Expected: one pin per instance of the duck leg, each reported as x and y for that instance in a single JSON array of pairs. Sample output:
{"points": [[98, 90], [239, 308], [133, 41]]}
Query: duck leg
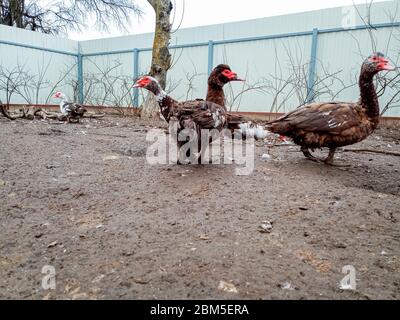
{"points": [[201, 151], [308, 154], [329, 159]]}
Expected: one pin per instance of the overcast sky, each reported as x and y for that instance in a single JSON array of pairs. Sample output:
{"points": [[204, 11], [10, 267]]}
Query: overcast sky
{"points": [[205, 12]]}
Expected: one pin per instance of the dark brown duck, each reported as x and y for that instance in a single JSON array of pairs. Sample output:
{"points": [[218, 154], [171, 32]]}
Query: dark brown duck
{"points": [[336, 124]]}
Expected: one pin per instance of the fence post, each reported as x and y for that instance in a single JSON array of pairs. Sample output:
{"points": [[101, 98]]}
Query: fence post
{"points": [[210, 56], [311, 70], [135, 76], [80, 76]]}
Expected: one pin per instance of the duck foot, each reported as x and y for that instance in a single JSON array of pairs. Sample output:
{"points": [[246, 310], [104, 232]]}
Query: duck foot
{"points": [[309, 156], [314, 159], [337, 164], [329, 160]]}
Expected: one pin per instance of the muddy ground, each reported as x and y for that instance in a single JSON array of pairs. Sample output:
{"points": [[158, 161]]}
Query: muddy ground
{"points": [[82, 198]]}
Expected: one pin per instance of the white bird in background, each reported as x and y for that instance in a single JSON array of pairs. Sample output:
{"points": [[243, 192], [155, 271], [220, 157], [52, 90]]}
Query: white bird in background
{"points": [[250, 129], [69, 109]]}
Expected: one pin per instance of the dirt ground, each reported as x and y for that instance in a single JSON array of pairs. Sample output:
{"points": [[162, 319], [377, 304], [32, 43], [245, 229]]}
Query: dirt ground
{"points": [[83, 199]]}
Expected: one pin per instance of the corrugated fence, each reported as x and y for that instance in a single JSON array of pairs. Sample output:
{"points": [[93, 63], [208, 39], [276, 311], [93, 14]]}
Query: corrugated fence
{"points": [[303, 57]]}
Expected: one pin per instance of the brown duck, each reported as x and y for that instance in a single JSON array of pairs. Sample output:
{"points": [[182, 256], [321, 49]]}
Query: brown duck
{"points": [[336, 124], [220, 76], [193, 114], [190, 114]]}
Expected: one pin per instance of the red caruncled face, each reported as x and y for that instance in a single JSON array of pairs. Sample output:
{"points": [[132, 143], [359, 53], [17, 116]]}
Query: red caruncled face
{"points": [[232, 76], [381, 62], [142, 82]]}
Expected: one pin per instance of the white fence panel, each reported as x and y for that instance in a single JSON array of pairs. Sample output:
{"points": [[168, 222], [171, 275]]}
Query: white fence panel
{"points": [[276, 68]]}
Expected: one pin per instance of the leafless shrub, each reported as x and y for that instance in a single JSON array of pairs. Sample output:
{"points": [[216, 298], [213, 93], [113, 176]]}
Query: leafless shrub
{"points": [[105, 86], [60, 16]]}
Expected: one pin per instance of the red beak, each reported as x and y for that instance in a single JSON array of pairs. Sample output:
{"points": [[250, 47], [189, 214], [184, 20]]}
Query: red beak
{"points": [[385, 65], [233, 77]]}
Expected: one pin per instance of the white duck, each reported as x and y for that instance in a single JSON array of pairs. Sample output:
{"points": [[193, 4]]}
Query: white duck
{"points": [[70, 109]]}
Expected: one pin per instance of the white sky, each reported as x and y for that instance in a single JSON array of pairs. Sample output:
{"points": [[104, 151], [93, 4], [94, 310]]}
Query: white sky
{"points": [[205, 12]]}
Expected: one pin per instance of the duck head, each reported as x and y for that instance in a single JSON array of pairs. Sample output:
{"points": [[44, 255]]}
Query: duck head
{"points": [[60, 95], [149, 83], [221, 75], [375, 63]]}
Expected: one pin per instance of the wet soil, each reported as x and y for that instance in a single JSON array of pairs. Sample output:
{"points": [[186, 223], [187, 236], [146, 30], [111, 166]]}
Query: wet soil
{"points": [[83, 199]]}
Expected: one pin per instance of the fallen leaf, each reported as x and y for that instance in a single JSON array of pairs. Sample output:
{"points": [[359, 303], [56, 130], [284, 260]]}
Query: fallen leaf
{"points": [[265, 156], [47, 296], [287, 286], [110, 157], [78, 194], [53, 244], [265, 227], [76, 290], [98, 278], [310, 258], [227, 287], [141, 281], [204, 237], [80, 295]]}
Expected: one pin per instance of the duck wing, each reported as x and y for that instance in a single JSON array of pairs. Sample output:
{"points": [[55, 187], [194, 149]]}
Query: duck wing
{"points": [[76, 109], [205, 114], [332, 118]]}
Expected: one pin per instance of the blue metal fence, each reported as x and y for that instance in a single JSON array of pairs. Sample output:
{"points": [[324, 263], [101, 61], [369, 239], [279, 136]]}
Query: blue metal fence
{"points": [[311, 71], [210, 44]]}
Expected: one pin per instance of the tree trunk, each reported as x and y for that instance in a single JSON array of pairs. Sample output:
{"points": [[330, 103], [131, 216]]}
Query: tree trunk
{"points": [[161, 58], [17, 13]]}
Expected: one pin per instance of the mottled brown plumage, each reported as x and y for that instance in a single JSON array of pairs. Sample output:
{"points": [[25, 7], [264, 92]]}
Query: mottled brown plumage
{"points": [[204, 114], [335, 124], [193, 115], [215, 93], [219, 76], [234, 121], [75, 111]]}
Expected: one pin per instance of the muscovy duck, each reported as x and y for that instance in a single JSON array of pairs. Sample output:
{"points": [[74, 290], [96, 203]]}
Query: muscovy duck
{"points": [[336, 124], [221, 75], [194, 114], [70, 110], [204, 114]]}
